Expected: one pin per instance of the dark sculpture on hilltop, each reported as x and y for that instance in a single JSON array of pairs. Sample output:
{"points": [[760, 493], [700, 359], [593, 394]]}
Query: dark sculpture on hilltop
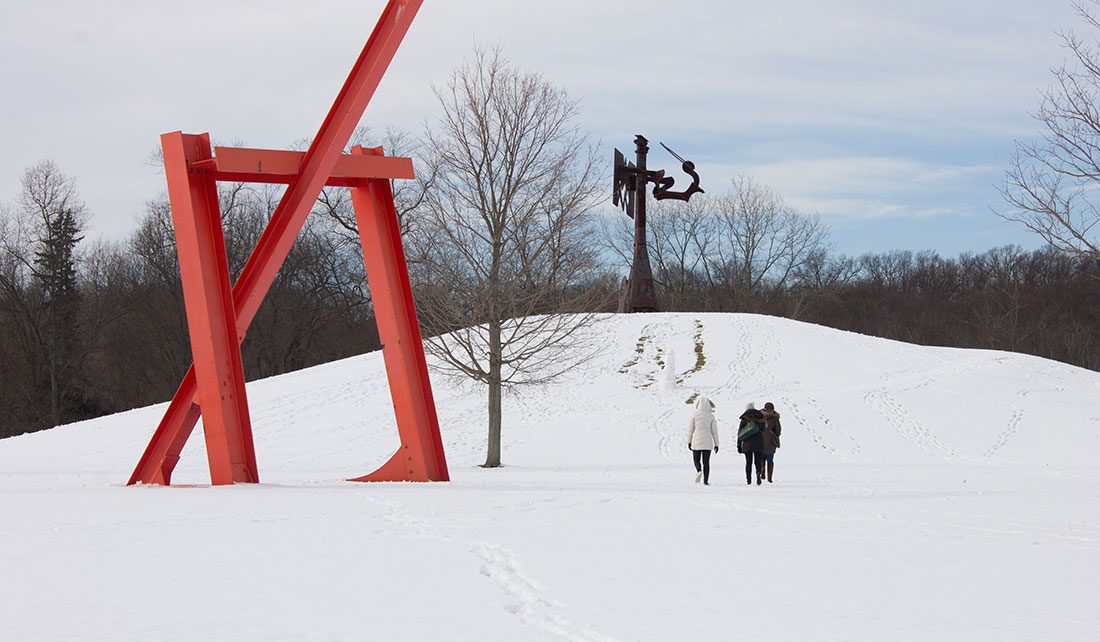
{"points": [[630, 183]]}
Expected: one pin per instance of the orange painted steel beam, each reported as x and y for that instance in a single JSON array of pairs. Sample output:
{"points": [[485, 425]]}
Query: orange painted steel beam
{"points": [[279, 166], [208, 299], [287, 220], [160, 457], [420, 456], [163, 452]]}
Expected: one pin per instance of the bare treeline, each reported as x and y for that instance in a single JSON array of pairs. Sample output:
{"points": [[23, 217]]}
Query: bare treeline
{"points": [[1043, 302], [747, 251], [89, 330], [104, 330], [731, 249]]}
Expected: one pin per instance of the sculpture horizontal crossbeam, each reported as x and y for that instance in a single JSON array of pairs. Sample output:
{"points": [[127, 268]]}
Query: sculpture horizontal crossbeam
{"points": [[280, 166]]}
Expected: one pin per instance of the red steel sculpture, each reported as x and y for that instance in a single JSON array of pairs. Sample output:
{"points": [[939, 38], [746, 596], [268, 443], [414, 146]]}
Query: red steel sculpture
{"points": [[218, 315]]}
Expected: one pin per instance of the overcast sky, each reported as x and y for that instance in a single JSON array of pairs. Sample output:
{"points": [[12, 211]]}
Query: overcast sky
{"points": [[893, 120]]}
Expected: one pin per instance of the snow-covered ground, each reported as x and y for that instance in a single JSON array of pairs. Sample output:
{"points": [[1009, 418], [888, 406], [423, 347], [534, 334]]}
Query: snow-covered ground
{"points": [[921, 494]]}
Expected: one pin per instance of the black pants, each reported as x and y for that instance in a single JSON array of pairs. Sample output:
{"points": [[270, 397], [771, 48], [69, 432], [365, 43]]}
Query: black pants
{"points": [[702, 463], [749, 459]]}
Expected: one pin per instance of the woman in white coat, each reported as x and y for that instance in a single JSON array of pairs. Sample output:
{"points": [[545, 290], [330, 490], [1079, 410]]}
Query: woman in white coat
{"points": [[702, 437]]}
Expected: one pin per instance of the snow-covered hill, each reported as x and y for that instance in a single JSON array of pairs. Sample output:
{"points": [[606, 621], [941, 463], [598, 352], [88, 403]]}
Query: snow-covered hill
{"points": [[921, 494]]}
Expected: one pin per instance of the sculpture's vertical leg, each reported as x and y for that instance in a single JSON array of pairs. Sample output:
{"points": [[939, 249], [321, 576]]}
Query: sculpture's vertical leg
{"points": [[643, 294], [420, 456], [208, 298]]}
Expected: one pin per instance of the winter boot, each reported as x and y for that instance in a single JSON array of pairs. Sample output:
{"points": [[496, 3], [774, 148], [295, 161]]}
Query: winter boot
{"points": [[771, 469], [698, 477]]}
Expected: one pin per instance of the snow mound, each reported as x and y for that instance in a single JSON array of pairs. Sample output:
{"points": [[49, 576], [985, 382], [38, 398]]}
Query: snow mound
{"points": [[922, 493]]}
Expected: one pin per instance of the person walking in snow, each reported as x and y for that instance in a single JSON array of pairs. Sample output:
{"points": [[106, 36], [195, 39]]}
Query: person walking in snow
{"points": [[771, 432], [750, 442], [702, 437]]}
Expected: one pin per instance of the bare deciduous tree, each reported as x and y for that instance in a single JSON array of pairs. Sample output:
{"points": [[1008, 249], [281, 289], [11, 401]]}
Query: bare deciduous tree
{"points": [[499, 252], [762, 240], [39, 288], [681, 238], [334, 203], [1051, 183], [724, 253]]}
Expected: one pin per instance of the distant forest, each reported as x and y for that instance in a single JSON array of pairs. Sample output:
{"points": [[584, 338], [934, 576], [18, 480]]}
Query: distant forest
{"points": [[91, 330]]}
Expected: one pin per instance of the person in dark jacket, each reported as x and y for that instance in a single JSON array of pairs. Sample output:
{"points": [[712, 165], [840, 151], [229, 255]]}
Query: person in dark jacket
{"points": [[752, 446], [771, 432]]}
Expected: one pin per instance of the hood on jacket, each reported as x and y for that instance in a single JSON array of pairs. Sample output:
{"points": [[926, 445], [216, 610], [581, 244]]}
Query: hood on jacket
{"points": [[752, 415], [704, 405]]}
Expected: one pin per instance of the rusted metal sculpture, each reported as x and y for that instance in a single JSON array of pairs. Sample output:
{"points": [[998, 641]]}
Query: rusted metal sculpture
{"points": [[630, 181], [218, 315]]}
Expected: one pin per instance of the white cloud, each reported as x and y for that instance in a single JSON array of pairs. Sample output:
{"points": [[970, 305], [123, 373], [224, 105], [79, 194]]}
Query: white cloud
{"points": [[858, 188], [92, 85], [865, 175]]}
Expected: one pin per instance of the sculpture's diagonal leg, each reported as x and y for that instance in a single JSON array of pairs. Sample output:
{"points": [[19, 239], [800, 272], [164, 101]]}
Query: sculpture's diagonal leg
{"points": [[163, 452]]}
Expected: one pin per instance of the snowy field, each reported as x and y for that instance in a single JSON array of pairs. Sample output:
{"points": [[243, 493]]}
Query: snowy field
{"points": [[921, 494]]}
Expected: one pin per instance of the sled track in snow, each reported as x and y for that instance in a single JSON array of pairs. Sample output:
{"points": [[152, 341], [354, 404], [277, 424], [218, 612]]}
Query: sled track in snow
{"points": [[639, 350], [736, 370], [642, 352], [742, 373], [666, 434], [698, 352]]}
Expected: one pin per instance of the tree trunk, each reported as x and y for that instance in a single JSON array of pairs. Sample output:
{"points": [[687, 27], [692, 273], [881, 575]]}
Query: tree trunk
{"points": [[55, 400], [51, 366], [492, 458]]}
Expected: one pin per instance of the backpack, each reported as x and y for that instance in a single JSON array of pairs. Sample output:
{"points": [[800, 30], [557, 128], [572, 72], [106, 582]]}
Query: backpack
{"points": [[750, 429]]}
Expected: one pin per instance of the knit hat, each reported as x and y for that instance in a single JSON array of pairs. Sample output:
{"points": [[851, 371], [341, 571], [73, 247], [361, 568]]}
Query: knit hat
{"points": [[750, 406], [769, 406]]}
